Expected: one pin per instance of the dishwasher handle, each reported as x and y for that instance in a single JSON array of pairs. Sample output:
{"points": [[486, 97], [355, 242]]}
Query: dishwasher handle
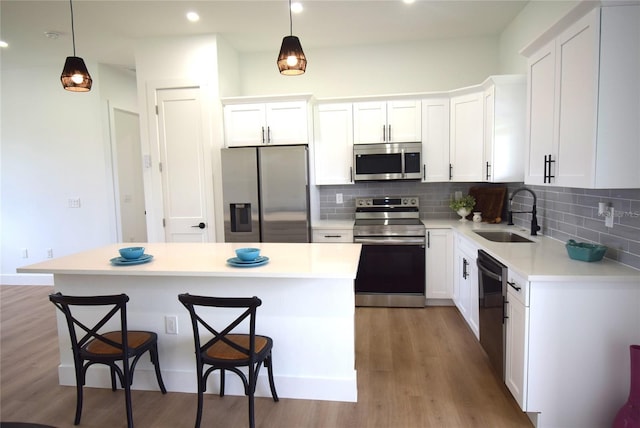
{"points": [[487, 272]]}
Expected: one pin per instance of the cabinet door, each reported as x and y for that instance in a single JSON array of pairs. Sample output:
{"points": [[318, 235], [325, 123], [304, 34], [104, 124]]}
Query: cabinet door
{"points": [[439, 264], [333, 144], [466, 138], [244, 124], [540, 113], [577, 83], [435, 139], [370, 122], [504, 130], [287, 123], [404, 121], [517, 350]]}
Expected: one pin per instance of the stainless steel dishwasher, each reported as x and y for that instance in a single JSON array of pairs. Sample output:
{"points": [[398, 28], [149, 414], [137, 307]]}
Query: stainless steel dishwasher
{"points": [[492, 292]]}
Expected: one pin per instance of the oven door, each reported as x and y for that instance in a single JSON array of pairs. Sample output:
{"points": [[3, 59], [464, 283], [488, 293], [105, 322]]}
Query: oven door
{"points": [[391, 272]]}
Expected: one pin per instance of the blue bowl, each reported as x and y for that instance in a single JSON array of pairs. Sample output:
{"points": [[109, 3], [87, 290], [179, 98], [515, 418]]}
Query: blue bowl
{"points": [[584, 251], [248, 254], [131, 253]]}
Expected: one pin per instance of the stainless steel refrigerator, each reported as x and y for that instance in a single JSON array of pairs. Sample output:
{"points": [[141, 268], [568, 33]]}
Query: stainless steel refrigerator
{"points": [[266, 194]]}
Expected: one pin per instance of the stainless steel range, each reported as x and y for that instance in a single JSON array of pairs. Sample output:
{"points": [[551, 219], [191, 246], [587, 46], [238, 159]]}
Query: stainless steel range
{"points": [[392, 263]]}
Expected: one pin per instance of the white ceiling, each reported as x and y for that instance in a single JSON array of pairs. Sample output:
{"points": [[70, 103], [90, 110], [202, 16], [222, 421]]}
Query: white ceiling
{"points": [[105, 30]]}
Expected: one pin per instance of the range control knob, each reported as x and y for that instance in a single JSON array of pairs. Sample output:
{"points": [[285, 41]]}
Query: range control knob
{"points": [[369, 202], [413, 201], [405, 201]]}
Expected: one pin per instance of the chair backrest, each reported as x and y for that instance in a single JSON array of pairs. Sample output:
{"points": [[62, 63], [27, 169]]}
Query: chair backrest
{"points": [[249, 304], [114, 305]]}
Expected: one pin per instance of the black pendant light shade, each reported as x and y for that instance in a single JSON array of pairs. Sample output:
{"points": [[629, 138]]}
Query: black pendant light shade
{"points": [[75, 76], [291, 60]]}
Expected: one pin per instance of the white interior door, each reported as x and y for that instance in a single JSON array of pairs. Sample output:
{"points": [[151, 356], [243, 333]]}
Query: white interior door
{"points": [[183, 165]]}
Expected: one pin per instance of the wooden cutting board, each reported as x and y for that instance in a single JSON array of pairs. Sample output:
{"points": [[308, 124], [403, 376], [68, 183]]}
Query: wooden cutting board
{"points": [[489, 201]]}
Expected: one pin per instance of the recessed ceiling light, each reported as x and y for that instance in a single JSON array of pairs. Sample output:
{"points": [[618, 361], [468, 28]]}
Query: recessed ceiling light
{"points": [[3, 44], [51, 34], [408, 1], [296, 7], [193, 16]]}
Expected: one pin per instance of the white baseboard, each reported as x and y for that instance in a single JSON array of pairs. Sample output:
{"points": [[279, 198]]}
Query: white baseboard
{"points": [[326, 389]]}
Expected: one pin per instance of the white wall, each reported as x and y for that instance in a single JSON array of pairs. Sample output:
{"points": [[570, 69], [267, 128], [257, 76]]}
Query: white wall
{"points": [[173, 63], [533, 20], [52, 150], [373, 70]]}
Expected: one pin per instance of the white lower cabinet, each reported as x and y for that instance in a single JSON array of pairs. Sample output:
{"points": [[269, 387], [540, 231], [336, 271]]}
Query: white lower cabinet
{"points": [[567, 348], [517, 339], [465, 283], [439, 264], [332, 235]]}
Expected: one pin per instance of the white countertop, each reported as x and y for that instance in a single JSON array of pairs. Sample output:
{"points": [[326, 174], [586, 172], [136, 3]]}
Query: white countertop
{"points": [[210, 259], [545, 259]]}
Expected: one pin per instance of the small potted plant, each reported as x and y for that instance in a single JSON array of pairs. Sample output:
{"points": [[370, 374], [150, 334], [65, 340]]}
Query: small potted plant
{"points": [[463, 206]]}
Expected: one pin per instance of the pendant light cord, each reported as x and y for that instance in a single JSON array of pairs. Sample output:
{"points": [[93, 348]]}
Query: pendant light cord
{"points": [[73, 33], [290, 20]]}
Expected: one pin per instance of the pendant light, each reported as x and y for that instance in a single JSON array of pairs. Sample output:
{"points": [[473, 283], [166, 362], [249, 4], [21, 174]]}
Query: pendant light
{"points": [[291, 61], [75, 76]]}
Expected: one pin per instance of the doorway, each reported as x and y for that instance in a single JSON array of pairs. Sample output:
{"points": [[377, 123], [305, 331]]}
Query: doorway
{"points": [[131, 222]]}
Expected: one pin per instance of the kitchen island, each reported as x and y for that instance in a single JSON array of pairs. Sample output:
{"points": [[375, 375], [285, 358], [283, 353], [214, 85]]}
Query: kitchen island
{"points": [[307, 308]]}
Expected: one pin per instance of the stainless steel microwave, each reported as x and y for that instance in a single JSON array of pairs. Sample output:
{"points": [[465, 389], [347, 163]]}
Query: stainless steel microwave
{"points": [[387, 161]]}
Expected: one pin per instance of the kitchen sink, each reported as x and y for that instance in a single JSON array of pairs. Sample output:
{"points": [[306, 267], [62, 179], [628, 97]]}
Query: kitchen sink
{"points": [[502, 236]]}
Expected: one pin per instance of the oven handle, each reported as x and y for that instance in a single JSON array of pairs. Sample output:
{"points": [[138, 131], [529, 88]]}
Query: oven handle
{"points": [[390, 241], [487, 272]]}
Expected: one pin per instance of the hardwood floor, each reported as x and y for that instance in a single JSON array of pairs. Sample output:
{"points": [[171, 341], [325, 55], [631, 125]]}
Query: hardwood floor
{"points": [[416, 368]]}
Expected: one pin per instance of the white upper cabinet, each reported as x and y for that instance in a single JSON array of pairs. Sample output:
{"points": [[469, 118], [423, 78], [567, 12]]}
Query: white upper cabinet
{"points": [[466, 147], [397, 121], [333, 143], [435, 139], [255, 124], [583, 107], [504, 128]]}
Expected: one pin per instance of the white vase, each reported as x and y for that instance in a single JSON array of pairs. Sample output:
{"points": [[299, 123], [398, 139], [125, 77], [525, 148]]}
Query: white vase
{"points": [[477, 217], [463, 213]]}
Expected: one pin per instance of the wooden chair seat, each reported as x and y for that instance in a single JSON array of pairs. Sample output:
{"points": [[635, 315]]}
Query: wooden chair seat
{"points": [[222, 351], [135, 340]]}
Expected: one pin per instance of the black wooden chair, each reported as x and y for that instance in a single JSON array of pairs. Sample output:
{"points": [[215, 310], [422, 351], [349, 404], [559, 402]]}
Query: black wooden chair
{"points": [[91, 346], [228, 351]]}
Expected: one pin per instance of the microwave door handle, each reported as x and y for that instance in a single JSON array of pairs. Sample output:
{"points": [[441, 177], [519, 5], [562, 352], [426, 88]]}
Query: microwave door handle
{"points": [[402, 166]]}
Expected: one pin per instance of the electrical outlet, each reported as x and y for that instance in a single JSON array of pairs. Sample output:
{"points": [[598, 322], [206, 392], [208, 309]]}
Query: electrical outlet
{"points": [[74, 202], [608, 220], [339, 199], [49, 253], [24, 253], [171, 324]]}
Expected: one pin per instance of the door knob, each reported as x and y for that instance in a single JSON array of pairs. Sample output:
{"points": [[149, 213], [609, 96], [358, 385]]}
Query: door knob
{"points": [[200, 225]]}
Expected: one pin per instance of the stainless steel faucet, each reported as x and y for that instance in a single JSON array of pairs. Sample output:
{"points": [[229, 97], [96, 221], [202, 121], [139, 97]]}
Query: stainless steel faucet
{"points": [[534, 219]]}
